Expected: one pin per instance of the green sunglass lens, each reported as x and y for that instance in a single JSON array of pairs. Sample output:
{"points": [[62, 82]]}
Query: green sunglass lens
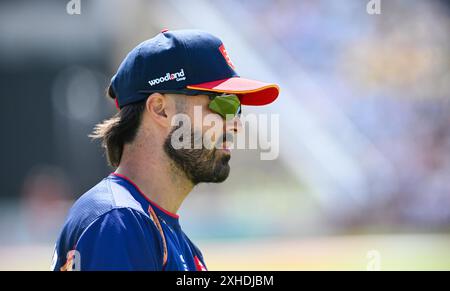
{"points": [[226, 105]]}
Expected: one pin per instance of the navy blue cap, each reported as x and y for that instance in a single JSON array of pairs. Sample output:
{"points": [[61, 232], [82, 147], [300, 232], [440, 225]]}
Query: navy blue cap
{"points": [[191, 61]]}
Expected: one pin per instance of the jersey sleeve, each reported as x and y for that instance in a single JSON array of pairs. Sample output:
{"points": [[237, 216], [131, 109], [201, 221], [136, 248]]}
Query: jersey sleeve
{"points": [[122, 239]]}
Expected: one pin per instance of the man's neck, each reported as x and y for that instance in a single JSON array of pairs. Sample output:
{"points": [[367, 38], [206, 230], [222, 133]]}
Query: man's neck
{"points": [[157, 177]]}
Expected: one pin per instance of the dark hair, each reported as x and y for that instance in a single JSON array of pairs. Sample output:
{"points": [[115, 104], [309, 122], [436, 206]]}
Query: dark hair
{"points": [[119, 130]]}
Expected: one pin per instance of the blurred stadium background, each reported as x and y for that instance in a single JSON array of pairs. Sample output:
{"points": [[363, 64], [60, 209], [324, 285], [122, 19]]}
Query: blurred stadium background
{"points": [[364, 165]]}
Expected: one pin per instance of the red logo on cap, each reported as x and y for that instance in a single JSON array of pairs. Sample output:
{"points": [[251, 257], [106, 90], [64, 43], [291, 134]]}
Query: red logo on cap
{"points": [[225, 55]]}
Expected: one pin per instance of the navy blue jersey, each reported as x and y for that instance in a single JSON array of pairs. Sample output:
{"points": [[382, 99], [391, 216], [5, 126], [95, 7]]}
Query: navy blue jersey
{"points": [[114, 226]]}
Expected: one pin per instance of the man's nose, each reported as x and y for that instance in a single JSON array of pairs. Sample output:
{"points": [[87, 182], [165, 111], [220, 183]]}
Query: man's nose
{"points": [[234, 125]]}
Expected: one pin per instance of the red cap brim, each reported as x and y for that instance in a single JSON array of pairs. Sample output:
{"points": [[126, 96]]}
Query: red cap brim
{"points": [[250, 92]]}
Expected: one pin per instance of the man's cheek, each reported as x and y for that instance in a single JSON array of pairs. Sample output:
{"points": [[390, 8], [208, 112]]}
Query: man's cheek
{"points": [[213, 130]]}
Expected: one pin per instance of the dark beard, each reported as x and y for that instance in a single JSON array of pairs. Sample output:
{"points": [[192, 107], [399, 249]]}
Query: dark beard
{"points": [[199, 165]]}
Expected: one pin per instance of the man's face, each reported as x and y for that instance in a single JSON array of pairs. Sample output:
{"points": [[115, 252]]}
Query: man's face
{"points": [[210, 137]]}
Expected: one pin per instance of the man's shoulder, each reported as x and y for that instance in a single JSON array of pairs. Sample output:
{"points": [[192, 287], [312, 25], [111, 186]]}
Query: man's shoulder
{"points": [[101, 199]]}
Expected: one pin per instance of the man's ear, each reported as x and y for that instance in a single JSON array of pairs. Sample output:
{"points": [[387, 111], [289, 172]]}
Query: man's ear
{"points": [[157, 107]]}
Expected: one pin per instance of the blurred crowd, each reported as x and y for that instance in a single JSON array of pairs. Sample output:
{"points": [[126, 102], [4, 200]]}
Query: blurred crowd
{"points": [[390, 75]]}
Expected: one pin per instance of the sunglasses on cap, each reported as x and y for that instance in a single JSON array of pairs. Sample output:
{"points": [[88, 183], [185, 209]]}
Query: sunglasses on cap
{"points": [[226, 105]]}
